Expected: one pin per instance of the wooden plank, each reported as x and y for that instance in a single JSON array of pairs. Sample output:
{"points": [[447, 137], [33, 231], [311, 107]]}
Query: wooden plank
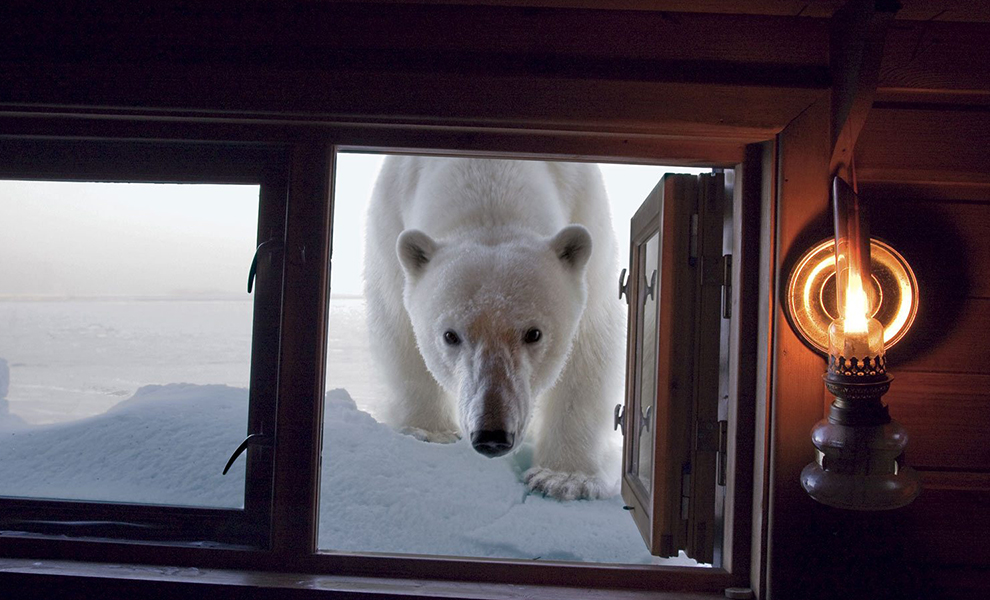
{"points": [[750, 113], [976, 189], [427, 139], [956, 480], [943, 527], [763, 287], [905, 144], [796, 397], [920, 10], [675, 366], [641, 342], [955, 342], [937, 56], [705, 380], [73, 579], [298, 436], [946, 243], [945, 416], [322, 34]]}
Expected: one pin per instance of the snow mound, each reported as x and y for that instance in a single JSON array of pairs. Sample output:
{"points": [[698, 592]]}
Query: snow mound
{"points": [[387, 492], [165, 445], [381, 491]]}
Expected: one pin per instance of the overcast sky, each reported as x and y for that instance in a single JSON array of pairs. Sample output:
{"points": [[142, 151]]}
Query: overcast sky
{"points": [[111, 239]]}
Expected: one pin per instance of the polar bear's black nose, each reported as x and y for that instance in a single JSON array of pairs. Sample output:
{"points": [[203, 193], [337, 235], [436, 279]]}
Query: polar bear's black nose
{"points": [[492, 443]]}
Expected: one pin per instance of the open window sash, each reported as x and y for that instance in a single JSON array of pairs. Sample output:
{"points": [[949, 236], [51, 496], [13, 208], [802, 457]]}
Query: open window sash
{"points": [[673, 439]]}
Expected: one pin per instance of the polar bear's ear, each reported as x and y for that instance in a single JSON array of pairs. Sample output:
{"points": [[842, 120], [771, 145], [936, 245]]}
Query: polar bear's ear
{"points": [[415, 250], [572, 245]]}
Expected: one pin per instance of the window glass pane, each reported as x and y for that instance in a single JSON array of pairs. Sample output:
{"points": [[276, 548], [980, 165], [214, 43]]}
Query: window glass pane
{"points": [[384, 489], [125, 340], [642, 423]]}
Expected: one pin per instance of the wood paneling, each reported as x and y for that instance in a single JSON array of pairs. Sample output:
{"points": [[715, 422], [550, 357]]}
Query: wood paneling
{"points": [[751, 113], [794, 370], [940, 393], [956, 345], [65, 579], [923, 165], [475, 141], [396, 36], [948, 58], [716, 76], [921, 10], [946, 416], [946, 243], [946, 526], [925, 145]]}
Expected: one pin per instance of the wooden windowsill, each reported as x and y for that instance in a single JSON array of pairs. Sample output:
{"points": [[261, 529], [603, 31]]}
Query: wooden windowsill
{"points": [[29, 578]]}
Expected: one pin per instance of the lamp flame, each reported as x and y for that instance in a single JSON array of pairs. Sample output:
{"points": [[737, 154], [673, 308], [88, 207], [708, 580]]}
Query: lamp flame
{"points": [[857, 304]]}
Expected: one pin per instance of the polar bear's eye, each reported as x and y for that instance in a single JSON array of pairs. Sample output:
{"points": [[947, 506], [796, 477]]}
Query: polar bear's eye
{"points": [[532, 336], [451, 338]]}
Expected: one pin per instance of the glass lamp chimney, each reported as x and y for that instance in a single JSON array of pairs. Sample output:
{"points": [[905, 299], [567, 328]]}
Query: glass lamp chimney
{"points": [[855, 339]]}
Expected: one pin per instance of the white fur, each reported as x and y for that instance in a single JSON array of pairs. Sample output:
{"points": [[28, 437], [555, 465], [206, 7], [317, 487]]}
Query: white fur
{"points": [[490, 249]]}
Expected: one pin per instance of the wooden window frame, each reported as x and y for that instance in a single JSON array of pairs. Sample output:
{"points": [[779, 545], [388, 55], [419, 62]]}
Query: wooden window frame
{"points": [[311, 148], [183, 162]]}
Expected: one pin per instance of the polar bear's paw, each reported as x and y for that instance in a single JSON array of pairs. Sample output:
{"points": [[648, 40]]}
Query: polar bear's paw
{"points": [[436, 437], [567, 486]]}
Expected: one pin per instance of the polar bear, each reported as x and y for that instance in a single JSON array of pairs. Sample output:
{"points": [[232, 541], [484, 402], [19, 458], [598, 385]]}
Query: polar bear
{"points": [[491, 310]]}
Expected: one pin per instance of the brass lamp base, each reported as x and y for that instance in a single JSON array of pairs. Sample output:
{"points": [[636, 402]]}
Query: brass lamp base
{"points": [[859, 451]]}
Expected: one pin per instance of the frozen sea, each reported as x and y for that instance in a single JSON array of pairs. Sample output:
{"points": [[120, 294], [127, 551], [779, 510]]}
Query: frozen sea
{"points": [[143, 400]]}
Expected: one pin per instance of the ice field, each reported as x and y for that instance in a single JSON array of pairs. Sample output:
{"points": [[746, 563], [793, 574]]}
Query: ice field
{"points": [[112, 405]]}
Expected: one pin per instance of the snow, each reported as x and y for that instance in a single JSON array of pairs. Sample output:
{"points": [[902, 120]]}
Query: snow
{"points": [[4, 378], [381, 491], [387, 492], [167, 444], [164, 445]]}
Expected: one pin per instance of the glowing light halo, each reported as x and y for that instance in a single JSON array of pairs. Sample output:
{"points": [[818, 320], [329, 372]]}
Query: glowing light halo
{"points": [[896, 289]]}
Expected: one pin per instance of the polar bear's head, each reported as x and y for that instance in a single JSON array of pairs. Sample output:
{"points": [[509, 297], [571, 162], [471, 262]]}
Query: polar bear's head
{"points": [[495, 322]]}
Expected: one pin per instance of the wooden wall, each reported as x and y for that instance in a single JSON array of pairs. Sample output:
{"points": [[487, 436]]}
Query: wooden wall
{"points": [[923, 163], [925, 169]]}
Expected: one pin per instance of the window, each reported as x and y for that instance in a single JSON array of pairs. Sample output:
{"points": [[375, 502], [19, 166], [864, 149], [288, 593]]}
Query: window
{"points": [[383, 490], [133, 359], [279, 521]]}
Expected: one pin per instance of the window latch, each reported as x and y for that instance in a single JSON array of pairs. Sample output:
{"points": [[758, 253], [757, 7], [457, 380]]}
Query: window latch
{"points": [[272, 243], [619, 419], [645, 422], [623, 286], [255, 439], [651, 287]]}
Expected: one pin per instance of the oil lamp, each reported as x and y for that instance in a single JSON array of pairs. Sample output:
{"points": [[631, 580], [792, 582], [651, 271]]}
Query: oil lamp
{"points": [[860, 448]]}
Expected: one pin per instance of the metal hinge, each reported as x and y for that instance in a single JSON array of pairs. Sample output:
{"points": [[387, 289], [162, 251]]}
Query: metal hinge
{"points": [[685, 491], [727, 286], [713, 436], [693, 240], [723, 451]]}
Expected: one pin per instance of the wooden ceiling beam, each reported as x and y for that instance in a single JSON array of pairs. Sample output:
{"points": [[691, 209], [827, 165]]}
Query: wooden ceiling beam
{"points": [[974, 11]]}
